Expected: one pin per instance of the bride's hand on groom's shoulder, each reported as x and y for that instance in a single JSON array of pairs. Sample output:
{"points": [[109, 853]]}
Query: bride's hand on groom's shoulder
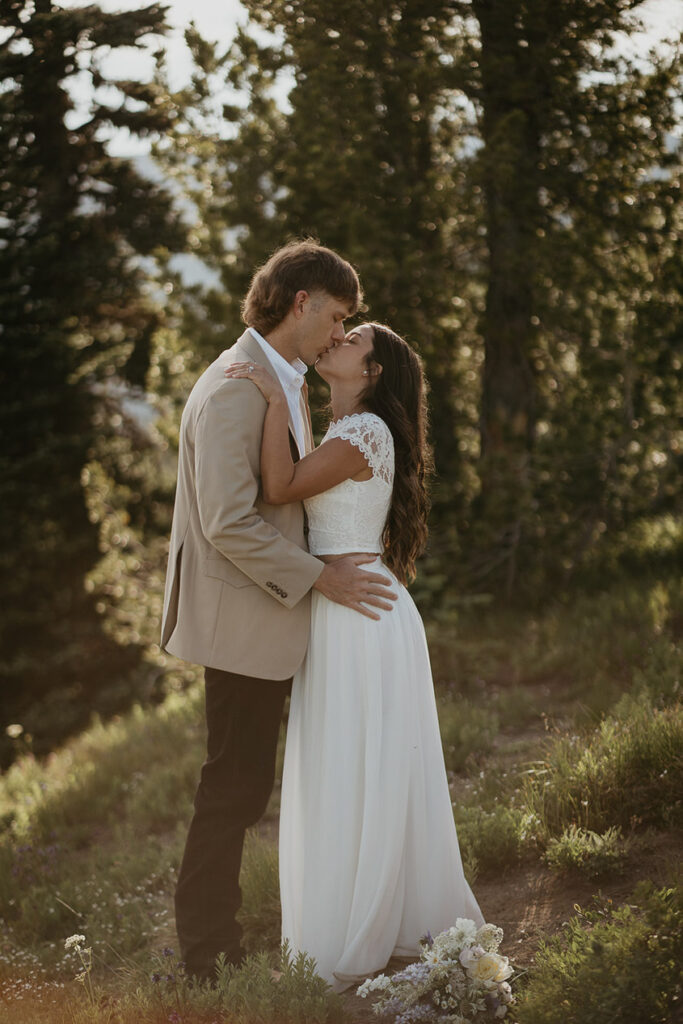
{"points": [[269, 386]]}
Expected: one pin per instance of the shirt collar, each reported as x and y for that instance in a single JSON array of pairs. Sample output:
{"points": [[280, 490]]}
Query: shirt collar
{"points": [[290, 374]]}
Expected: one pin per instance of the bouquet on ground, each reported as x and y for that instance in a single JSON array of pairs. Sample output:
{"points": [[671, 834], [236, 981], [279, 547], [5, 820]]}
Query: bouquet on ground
{"points": [[460, 978]]}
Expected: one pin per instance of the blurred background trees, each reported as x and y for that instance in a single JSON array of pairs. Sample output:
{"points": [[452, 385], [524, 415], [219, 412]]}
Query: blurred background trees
{"points": [[76, 313], [507, 180]]}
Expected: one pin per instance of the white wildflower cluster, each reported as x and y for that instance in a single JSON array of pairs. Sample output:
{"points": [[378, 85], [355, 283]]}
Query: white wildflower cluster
{"points": [[489, 937], [461, 978], [448, 944], [74, 942], [377, 984]]}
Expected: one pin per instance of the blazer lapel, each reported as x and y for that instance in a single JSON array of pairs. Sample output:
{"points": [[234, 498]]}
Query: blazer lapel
{"points": [[248, 346]]}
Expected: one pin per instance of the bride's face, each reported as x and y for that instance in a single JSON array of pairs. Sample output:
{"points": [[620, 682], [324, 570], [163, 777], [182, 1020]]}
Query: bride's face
{"points": [[347, 359]]}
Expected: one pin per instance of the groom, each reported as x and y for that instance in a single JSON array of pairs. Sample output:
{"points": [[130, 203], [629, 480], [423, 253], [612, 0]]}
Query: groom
{"points": [[239, 578]]}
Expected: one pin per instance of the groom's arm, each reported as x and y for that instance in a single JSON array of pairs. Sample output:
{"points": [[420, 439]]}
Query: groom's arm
{"points": [[227, 453]]}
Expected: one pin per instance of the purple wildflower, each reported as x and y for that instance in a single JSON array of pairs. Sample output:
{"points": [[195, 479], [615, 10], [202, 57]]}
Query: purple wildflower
{"points": [[413, 973]]}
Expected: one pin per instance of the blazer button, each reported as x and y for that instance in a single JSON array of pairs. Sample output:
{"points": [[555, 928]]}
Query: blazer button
{"points": [[284, 593], [269, 584]]}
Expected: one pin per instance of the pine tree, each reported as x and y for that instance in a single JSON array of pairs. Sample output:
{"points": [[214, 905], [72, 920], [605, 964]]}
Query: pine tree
{"points": [[580, 191], [74, 222]]}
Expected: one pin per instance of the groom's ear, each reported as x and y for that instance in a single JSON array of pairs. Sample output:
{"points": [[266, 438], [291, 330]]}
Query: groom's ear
{"points": [[300, 300]]}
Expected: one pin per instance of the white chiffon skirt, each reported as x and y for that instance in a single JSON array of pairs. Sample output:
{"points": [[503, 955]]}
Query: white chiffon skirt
{"points": [[369, 856]]}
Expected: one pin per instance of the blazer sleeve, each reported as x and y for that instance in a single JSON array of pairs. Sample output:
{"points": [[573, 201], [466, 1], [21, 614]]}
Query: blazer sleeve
{"points": [[227, 469]]}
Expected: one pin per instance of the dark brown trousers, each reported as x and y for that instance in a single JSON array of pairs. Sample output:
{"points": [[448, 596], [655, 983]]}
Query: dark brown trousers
{"points": [[243, 718]]}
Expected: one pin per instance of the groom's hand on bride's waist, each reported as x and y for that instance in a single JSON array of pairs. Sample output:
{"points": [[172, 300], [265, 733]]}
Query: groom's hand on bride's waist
{"points": [[345, 582]]}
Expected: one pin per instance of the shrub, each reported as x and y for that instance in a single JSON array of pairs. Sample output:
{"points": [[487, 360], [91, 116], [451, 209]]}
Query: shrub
{"points": [[300, 995], [589, 853], [490, 839], [621, 966]]}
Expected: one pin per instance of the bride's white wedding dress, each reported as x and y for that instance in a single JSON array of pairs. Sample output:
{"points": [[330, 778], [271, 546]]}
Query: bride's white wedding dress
{"points": [[369, 856]]}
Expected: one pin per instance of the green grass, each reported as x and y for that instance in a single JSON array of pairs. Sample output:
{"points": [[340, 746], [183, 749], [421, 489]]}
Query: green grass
{"points": [[467, 731], [629, 772], [163, 995], [70, 853], [545, 744], [591, 648]]}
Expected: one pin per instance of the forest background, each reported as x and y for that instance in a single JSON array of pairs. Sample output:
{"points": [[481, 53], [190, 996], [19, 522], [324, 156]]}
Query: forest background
{"points": [[506, 176]]}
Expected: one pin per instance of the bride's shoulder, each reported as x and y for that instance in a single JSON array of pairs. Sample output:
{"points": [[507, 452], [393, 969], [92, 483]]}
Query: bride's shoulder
{"points": [[357, 422], [368, 432]]}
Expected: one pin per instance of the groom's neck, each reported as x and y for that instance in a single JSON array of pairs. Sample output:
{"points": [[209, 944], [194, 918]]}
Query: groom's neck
{"points": [[283, 340]]}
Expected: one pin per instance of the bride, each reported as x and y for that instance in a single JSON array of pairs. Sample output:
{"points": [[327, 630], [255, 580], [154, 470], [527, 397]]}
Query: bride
{"points": [[369, 856]]}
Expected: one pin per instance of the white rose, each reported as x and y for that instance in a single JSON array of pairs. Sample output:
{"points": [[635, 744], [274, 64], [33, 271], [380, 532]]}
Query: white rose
{"points": [[490, 968]]}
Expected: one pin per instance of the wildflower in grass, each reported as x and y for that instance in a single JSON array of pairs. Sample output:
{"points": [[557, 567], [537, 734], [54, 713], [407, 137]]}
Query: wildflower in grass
{"points": [[84, 953], [167, 951]]}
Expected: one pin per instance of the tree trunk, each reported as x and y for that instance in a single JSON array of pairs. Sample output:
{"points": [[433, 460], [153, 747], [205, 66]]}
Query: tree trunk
{"points": [[509, 163]]}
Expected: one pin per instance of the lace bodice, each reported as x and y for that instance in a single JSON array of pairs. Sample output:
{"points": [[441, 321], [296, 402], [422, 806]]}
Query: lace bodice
{"points": [[351, 515]]}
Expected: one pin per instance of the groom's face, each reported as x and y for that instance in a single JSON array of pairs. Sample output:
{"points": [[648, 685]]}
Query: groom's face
{"points": [[320, 323]]}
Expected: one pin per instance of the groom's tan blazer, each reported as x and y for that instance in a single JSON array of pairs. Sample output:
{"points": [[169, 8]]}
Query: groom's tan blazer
{"points": [[239, 575]]}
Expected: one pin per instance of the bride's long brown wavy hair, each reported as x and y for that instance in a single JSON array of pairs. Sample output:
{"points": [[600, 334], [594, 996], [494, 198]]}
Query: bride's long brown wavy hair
{"points": [[399, 396]]}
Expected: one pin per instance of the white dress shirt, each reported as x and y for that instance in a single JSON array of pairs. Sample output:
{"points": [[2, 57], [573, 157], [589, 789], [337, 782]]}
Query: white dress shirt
{"points": [[291, 377]]}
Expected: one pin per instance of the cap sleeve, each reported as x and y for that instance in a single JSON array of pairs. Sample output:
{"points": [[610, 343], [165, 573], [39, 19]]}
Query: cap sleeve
{"points": [[370, 434]]}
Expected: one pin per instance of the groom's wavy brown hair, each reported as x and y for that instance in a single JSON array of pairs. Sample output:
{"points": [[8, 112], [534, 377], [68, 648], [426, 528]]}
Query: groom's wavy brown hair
{"points": [[304, 265], [399, 396]]}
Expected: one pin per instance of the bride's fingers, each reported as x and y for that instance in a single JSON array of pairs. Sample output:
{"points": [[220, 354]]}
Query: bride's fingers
{"points": [[241, 368]]}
